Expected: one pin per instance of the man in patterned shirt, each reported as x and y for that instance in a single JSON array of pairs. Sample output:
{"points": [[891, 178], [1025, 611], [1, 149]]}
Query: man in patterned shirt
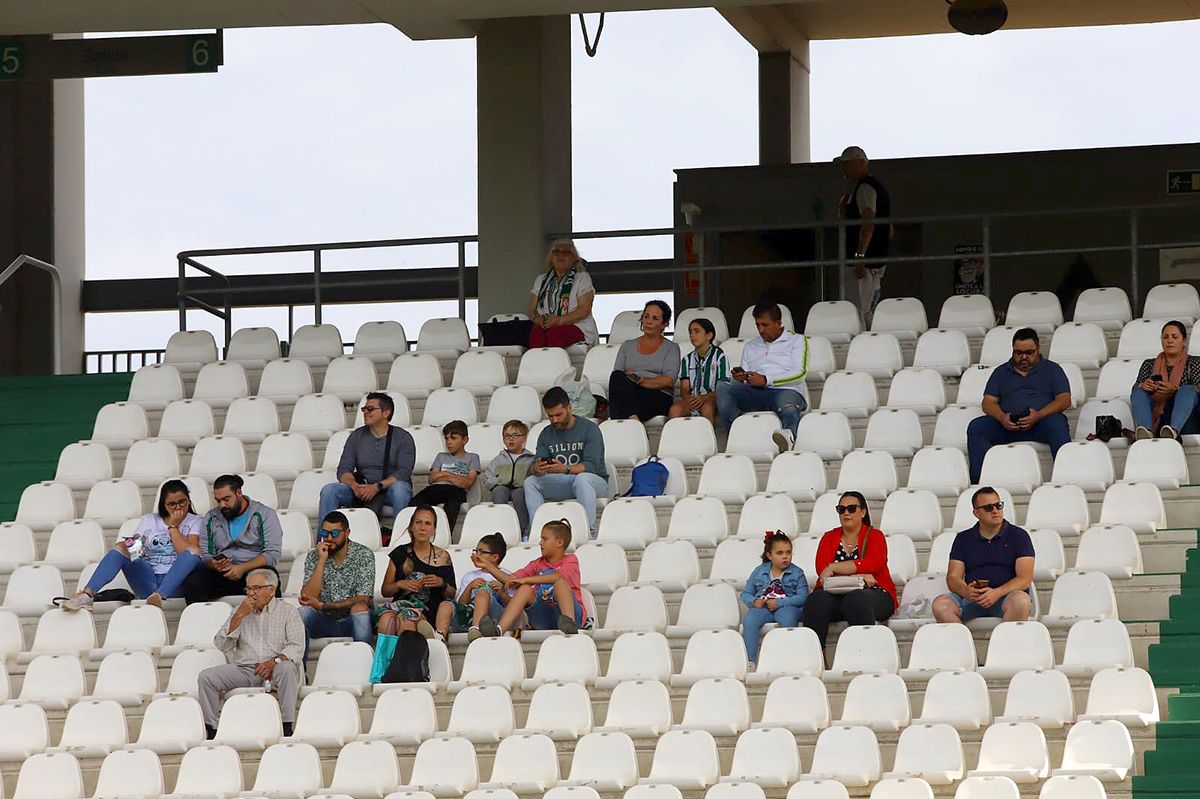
{"points": [[264, 642], [339, 581]]}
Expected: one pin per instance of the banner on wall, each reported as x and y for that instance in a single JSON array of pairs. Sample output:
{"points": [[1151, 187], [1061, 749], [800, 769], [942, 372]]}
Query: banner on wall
{"points": [[969, 269]]}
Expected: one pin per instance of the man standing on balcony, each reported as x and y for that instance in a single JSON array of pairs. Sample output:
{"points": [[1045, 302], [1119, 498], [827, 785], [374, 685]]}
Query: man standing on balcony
{"points": [[867, 199]]}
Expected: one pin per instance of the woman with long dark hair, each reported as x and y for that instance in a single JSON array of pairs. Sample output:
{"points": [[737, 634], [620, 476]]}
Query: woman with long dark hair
{"points": [[420, 577], [157, 557], [853, 549], [1164, 395]]}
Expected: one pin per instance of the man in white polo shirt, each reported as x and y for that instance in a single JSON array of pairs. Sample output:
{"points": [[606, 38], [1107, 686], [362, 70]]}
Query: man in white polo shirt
{"points": [[770, 377]]}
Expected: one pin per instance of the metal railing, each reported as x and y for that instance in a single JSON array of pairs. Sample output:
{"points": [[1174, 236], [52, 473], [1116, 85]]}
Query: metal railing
{"points": [[704, 267], [112, 360], [56, 299]]}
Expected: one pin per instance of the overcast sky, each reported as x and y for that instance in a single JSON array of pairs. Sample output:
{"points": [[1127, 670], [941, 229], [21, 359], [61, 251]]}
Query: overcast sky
{"points": [[340, 133]]}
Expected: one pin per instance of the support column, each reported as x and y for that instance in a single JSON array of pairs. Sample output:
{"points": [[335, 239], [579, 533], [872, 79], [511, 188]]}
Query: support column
{"points": [[524, 135], [784, 135], [41, 214]]}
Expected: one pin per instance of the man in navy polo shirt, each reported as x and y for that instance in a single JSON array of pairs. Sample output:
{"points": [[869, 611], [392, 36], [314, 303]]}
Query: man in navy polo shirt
{"points": [[991, 567], [1023, 400]]}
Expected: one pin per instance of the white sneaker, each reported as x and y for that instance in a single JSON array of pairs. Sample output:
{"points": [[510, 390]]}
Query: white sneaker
{"points": [[1142, 433], [78, 602], [1168, 432], [784, 439]]}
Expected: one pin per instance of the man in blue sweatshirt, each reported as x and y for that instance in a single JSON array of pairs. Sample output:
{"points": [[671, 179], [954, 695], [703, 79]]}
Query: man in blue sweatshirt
{"points": [[570, 460]]}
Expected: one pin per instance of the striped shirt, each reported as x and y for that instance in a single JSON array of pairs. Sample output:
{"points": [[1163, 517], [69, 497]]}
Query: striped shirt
{"points": [[703, 373], [277, 629]]}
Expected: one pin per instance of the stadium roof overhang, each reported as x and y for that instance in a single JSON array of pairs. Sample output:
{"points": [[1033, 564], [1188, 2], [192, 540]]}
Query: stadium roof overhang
{"points": [[767, 27]]}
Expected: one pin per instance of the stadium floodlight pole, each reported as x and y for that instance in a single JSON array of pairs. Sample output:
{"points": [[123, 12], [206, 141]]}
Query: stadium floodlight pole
{"points": [[985, 238], [56, 299], [462, 280], [317, 285], [1133, 257]]}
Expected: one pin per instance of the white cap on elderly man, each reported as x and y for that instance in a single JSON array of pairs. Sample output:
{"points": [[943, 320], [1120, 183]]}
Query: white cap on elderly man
{"points": [[852, 154]]}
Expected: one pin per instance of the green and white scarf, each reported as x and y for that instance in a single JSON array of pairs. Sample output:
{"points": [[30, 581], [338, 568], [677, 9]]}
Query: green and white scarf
{"points": [[546, 292]]}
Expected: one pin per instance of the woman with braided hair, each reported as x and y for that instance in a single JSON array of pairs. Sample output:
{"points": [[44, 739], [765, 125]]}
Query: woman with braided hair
{"points": [[774, 592], [560, 303]]}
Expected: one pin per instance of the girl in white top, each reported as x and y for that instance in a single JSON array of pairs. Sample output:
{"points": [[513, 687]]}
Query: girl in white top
{"points": [[157, 557], [560, 303]]}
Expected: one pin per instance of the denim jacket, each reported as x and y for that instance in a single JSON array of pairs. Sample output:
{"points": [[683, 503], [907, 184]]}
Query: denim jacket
{"points": [[793, 579]]}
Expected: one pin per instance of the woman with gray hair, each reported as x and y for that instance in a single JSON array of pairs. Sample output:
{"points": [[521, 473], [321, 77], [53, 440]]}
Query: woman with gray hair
{"points": [[560, 303]]}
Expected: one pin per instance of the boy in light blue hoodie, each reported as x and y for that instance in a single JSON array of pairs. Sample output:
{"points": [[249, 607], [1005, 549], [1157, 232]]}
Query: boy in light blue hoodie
{"points": [[774, 592]]}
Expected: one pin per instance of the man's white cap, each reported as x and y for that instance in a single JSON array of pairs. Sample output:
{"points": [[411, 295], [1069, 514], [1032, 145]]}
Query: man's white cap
{"points": [[851, 154]]}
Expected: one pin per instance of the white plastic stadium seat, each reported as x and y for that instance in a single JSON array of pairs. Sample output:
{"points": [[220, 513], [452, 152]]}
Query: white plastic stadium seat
{"points": [[1094, 645], [53, 681], [913, 513], [849, 755], [1042, 697], [184, 422], [687, 759], [451, 404], [634, 608], [598, 365], [918, 389], [718, 706], [836, 320], [285, 380], [24, 731], [1136, 505], [1117, 377], [639, 709], [251, 419], [764, 757], [1085, 423], [603, 761], [940, 470], [851, 393], [1071, 786], [1172, 301], [491, 661], [957, 698], [370, 769], [1081, 595], [1037, 309], [628, 522], [1059, 506], [173, 725], [937, 648], [19, 549], [249, 722], [768, 511], [1157, 460], [190, 348], [50, 776], [878, 701], [523, 764], [156, 386], [481, 714], [903, 317], [1080, 343], [543, 367], [1012, 466], [253, 347], [672, 566], [972, 384], [787, 652], [625, 441], [444, 338], [947, 351], [1049, 557], [317, 345], [75, 544], [690, 439], [895, 430], [514, 402], [1109, 548], [1124, 694], [415, 375], [31, 589], [798, 474], [705, 607], [1015, 646], [1106, 307], [561, 711], [971, 313], [987, 788], [213, 456], [60, 631], [877, 354], [870, 471], [864, 650], [220, 383], [82, 464], [381, 341], [751, 435], [1016, 750], [728, 478], [119, 424], [826, 433], [1141, 338], [291, 768], [284, 455], [997, 345], [1086, 464], [929, 752], [112, 502], [348, 377]]}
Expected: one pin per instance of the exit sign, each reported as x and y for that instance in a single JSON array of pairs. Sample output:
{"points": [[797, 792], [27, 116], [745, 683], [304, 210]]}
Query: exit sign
{"points": [[1183, 181]]}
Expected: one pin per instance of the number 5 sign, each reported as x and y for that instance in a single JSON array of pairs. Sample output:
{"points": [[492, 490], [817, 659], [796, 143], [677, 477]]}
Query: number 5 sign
{"points": [[12, 60]]}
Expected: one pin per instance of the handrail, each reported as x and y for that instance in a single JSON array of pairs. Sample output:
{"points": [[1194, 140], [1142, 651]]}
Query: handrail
{"points": [[56, 304]]}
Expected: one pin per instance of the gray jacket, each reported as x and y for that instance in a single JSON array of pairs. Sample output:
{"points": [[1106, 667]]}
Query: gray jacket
{"points": [[263, 535]]}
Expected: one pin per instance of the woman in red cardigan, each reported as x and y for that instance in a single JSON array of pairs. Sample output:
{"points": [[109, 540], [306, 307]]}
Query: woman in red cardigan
{"points": [[855, 548]]}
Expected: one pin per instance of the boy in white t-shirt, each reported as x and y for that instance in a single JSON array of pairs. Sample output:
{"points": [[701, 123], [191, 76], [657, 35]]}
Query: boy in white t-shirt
{"points": [[481, 591]]}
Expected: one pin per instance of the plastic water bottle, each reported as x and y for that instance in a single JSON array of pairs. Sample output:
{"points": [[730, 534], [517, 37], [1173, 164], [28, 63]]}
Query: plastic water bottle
{"points": [[267, 686], [695, 412]]}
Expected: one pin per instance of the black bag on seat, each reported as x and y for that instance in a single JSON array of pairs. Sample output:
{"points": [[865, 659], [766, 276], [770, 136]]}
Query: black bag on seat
{"points": [[410, 663]]}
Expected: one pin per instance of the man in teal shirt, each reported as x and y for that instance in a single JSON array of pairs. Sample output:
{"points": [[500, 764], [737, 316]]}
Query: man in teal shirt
{"points": [[570, 460]]}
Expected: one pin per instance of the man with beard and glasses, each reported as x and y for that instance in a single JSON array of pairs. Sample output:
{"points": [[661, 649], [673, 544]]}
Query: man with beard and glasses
{"points": [[236, 537], [339, 581]]}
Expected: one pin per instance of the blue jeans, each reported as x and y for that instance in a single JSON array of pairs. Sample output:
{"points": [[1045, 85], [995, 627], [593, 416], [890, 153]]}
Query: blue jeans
{"points": [[973, 610], [984, 432], [584, 488], [321, 625], [734, 399], [544, 615], [338, 495], [752, 624], [140, 575], [1179, 412]]}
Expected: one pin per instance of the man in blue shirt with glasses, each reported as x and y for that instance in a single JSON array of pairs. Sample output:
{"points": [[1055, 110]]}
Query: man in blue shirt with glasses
{"points": [[339, 583]]}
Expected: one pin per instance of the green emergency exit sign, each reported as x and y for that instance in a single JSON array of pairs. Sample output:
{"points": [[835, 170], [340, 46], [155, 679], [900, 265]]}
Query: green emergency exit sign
{"points": [[1183, 181]]}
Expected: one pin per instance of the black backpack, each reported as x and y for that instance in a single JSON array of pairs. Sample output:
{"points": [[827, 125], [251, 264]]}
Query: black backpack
{"points": [[410, 662]]}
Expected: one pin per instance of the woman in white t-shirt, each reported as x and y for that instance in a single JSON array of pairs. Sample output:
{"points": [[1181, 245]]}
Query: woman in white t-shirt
{"points": [[157, 557], [560, 302]]}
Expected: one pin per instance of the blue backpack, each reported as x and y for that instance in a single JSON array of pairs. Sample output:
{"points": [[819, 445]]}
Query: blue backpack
{"points": [[648, 479]]}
